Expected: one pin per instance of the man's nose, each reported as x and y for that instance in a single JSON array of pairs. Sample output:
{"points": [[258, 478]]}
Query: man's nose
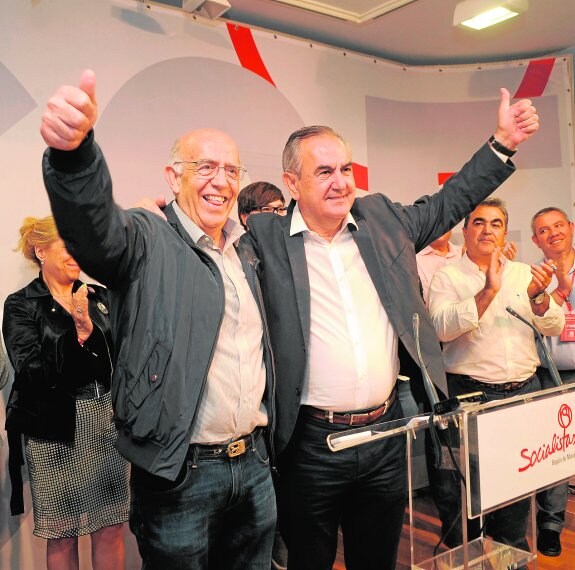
{"points": [[219, 179], [339, 180]]}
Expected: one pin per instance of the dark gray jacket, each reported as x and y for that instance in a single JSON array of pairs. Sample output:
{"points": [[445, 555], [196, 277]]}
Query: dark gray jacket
{"points": [[167, 302], [388, 235]]}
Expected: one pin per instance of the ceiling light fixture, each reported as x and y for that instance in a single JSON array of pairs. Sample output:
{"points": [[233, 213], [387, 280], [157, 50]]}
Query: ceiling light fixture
{"points": [[479, 14], [211, 9]]}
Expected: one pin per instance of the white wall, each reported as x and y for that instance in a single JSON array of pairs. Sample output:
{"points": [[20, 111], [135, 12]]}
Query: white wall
{"points": [[161, 73]]}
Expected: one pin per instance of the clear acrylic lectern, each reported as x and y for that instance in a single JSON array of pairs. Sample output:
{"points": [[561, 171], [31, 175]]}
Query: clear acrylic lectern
{"points": [[508, 450]]}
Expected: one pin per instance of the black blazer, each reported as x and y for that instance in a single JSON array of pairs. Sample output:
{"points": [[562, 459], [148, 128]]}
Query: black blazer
{"points": [[49, 367], [388, 237]]}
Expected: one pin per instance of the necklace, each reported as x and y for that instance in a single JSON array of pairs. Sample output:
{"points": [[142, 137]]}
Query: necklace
{"points": [[64, 300]]}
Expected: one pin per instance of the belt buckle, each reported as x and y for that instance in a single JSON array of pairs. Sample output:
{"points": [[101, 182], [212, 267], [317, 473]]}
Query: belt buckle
{"points": [[236, 448], [361, 418], [385, 406]]}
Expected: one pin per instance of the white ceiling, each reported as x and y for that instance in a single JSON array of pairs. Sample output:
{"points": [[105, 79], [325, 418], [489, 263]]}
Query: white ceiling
{"points": [[420, 32]]}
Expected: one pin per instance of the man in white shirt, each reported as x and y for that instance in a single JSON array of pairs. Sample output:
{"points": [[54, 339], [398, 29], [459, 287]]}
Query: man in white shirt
{"points": [[553, 234], [484, 347], [340, 286], [442, 252]]}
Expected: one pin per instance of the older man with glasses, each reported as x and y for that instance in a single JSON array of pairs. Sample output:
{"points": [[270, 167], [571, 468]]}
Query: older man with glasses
{"points": [[193, 385]]}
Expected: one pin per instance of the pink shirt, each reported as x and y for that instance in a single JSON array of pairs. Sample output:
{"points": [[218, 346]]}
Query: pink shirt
{"points": [[429, 261]]}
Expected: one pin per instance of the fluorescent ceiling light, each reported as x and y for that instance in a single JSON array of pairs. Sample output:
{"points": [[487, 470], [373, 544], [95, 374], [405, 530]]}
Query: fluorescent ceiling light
{"points": [[479, 14]]}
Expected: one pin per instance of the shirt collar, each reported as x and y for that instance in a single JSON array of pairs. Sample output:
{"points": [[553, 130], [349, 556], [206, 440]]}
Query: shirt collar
{"points": [[428, 250], [466, 261], [232, 230], [298, 224]]}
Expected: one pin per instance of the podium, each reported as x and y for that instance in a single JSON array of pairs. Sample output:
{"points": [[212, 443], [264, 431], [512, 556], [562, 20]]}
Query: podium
{"points": [[508, 451]]}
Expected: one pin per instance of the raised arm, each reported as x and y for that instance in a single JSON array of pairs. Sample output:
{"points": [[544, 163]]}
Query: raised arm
{"points": [[108, 242]]}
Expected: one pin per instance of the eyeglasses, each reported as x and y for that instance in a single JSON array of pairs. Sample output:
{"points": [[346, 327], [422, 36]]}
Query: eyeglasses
{"points": [[280, 210], [208, 169]]}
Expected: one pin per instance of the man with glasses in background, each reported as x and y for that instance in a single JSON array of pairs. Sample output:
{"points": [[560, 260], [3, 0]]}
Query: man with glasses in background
{"points": [[193, 385], [260, 198]]}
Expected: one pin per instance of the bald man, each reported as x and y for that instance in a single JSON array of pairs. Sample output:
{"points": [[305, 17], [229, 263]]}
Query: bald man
{"points": [[193, 380]]}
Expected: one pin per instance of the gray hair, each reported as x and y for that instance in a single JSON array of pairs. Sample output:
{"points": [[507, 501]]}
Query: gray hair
{"points": [[291, 158], [544, 211], [491, 203], [175, 157]]}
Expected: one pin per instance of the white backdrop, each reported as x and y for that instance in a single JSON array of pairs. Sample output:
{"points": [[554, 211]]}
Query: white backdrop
{"points": [[161, 73]]}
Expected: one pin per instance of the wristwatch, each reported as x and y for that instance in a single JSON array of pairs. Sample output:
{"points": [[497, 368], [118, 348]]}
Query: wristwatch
{"points": [[496, 145], [538, 299]]}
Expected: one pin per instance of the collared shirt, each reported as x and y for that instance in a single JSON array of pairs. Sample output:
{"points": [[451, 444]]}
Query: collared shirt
{"points": [[352, 361], [497, 347], [562, 353], [430, 260], [231, 404]]}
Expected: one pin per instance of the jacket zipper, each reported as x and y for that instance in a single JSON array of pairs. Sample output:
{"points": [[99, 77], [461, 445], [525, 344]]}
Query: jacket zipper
{"points": [[109, 360]]}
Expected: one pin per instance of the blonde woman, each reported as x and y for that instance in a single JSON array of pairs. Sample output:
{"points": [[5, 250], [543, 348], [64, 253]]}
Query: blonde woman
{"points": [[57, 335]]}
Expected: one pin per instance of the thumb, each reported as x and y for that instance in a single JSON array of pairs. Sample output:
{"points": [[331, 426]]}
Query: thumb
{"points": [[88, 83], [504, 102]]}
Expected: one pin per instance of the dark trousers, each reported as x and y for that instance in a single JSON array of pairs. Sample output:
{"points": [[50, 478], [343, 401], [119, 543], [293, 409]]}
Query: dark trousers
{"points": [[507, 525], [552, 503], [363, 488]]}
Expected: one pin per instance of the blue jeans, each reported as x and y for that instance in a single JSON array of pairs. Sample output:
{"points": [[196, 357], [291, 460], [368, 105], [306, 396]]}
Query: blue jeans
{"points": [[220, 513], [552, 503], [363, 488], [507, 525]]}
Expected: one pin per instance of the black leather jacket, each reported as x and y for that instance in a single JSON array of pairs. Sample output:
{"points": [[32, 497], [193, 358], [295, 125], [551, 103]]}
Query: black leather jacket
{"points": [[50, 366]]}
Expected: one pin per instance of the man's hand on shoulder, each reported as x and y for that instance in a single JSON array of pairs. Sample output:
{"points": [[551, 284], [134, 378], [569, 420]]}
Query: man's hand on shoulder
{"points": [[70, 113], [153, 205]]}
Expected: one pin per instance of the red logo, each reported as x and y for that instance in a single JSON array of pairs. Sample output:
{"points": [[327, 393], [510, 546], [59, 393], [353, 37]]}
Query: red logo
{"points": [[565, 416], [559, 442]]}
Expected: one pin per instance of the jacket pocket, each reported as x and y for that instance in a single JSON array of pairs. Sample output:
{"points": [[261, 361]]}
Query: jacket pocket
{"points": [[151, 375]]}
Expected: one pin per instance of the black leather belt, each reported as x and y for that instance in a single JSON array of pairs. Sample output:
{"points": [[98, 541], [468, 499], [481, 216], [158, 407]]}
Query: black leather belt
{"points": [[233, 449], [500, 387], [352, 418]]}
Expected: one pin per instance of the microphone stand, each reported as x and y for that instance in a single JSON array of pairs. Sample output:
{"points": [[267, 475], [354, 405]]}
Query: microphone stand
{"points": [[443, 406], [546, 355], [427, 383]]}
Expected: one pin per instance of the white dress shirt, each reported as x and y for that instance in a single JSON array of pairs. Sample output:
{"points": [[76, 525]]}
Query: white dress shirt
{"points": [[562, 353], [231, 404], [429, 261], [497, 347], [352, 358]]}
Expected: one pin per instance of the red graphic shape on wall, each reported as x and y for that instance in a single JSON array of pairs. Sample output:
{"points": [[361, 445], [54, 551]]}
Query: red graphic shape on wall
{"points": [[536, 78], [443, 177], [247, 51], [360, 175]]}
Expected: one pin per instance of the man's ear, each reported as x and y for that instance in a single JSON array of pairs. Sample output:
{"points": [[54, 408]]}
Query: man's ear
{"points": [[173, 179], [289, 179]]}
